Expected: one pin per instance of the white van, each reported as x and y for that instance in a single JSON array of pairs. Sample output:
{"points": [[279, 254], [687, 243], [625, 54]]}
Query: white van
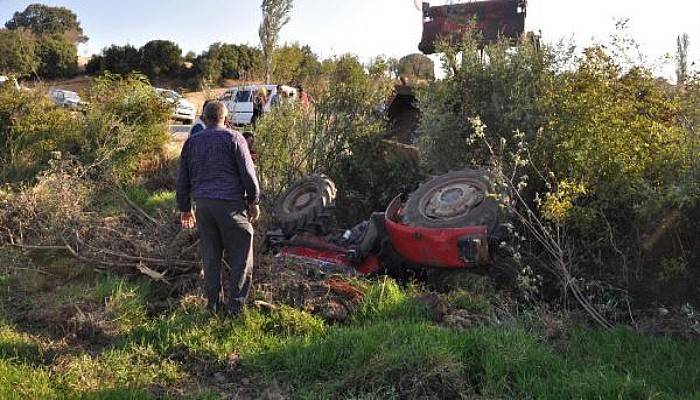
{"points": [[239, 101]]}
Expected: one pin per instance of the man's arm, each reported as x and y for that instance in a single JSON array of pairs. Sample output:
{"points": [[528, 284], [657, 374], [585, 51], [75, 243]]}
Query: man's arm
{"points": [[184, 186], [246, 167]]}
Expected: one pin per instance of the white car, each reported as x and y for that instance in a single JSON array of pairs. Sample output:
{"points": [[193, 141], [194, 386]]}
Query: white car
{"points": [[239, 101], [6, 80], [184, 109], [66, 98]]}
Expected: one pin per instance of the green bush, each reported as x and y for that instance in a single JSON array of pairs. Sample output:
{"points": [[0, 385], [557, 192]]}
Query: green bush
{"points": [[506, 93], [340, 136], [605, 148], [116, 59], [123, 122], [58, 57], [293, 64], [17, 52], [31, 128], [160, 58]]}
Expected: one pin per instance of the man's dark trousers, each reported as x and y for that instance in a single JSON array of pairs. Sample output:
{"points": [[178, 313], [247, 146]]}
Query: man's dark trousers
{"points": [[223, 225]]}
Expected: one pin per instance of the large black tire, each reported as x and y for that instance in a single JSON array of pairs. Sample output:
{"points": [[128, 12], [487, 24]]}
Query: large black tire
{"points": [[304, 202], [454, 200]]}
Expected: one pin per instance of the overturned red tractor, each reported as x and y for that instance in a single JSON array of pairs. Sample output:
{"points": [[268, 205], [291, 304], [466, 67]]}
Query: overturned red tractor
{"points": [[491, 18], [449, 222]]}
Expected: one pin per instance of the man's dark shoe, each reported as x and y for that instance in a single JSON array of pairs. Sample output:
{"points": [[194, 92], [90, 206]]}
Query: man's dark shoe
{"points": [[234, 310]]}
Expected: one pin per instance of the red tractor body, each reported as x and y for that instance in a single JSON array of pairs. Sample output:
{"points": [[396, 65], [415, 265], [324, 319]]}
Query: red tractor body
{"points": [[449, 248]]}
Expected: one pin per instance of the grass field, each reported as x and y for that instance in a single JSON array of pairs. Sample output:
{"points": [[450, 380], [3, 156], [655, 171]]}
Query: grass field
{"points": [[104, 337]]}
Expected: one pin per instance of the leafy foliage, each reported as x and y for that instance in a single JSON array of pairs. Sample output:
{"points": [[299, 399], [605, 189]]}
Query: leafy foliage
{"points": [[58, 57], [31, 128], [160, 58], [506, 93], [115, 59], [294, 64], [340, 136], [599, 148], [123, 121], [17, 52], [44, 20], [226, 61]]}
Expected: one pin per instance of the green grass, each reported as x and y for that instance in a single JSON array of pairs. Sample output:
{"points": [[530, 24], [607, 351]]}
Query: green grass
{"points": [[151, 202], [390, 349]]}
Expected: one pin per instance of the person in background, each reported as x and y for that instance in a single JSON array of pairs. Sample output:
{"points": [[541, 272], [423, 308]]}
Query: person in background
{"points": [[250, 140], [278, 97], [304, 97], [217, 171], [199, 125], [259, 103]]}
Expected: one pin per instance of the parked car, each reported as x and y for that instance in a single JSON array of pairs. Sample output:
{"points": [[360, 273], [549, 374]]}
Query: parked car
{"points": [[184, 110], [66, 98], [239, 101], [6, 80]]}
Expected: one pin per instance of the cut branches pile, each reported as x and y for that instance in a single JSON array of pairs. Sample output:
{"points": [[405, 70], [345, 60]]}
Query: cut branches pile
{"points": [[58, 213]]}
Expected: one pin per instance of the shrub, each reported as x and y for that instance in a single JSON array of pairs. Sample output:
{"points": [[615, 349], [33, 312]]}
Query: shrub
{"points": [[294, 64], [601, 150], [31, 128], [224, 61], [160, 58], [124, 121], [115, 59], [58, 57], [505, 92], [337, 137], [17, 52]]}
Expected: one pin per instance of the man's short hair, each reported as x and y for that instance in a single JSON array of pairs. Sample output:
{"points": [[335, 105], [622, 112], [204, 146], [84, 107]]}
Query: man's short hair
{"points": [[205, 104], [214, 113]]}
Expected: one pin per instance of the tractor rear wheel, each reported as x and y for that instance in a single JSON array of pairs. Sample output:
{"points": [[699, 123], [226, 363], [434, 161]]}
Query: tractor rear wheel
{"points": [[302, 205], [454, 200]]}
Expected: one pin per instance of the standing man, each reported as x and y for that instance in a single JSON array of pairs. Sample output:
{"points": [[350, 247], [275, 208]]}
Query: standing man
{"points": [[199, 125], [277, 97], [217, 171]]}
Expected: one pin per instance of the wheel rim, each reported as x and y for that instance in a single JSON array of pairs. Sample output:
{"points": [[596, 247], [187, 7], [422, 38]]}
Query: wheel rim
{"points": [[300, 198], [451, 200]]}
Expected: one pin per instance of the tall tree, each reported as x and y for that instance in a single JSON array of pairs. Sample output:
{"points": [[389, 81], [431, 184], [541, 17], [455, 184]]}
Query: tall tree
{"points": [[45, 20], [275, 16], [17, 52], [160, 58], [58, 57], [682, 43]]}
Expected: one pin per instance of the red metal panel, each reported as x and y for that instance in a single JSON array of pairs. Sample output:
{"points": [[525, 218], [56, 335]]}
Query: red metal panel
{"points": [[434, 247]]}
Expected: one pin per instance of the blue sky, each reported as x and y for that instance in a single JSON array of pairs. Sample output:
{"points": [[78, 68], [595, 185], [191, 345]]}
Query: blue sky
{"points": [[364, 27]]}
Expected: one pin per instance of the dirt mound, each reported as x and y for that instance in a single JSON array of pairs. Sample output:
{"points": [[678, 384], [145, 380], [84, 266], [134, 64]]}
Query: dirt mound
{"points": [[328, 291]]}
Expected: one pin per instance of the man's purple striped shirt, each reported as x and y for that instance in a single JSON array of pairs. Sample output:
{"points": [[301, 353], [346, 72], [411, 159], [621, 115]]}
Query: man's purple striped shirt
{"points": [[215, 164]]}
